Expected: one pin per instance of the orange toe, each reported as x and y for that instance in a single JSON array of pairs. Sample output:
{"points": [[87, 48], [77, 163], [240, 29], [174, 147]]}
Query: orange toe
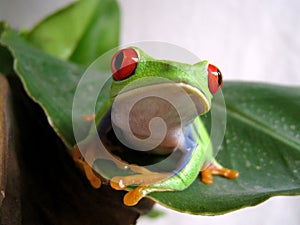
{"points": [[209, 170], [134, 196]]}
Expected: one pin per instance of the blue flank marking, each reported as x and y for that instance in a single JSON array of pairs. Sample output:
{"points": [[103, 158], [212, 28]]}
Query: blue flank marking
{"points": [[190, 144]]}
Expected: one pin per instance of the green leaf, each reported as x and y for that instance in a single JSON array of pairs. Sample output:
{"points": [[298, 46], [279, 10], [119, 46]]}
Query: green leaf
{"points": [[3, 27], [100, 36], [262, 142], [47, 80], [155, 214], [80, 32]]}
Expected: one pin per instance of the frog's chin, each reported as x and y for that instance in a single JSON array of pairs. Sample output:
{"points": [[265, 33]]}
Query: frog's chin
{"points": [[180, 95]]}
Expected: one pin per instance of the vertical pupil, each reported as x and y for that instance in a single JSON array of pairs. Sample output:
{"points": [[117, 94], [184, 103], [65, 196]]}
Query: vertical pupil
{"points": [[119, 60], [219, 77]]}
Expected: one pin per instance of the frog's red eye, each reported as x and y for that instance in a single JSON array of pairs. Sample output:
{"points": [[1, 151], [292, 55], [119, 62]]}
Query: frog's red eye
{"points": [[123, 63], [215, 79]]}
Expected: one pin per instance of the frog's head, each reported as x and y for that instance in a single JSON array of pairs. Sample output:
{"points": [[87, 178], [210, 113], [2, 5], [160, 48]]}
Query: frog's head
{"points": [[137, 74], [134, 71]]}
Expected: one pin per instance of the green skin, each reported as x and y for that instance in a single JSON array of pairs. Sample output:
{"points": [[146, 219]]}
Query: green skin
{"points": [[195, 80]]}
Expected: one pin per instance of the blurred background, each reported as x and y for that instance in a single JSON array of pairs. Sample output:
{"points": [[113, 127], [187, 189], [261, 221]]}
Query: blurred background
{"points": [[254, 40]]}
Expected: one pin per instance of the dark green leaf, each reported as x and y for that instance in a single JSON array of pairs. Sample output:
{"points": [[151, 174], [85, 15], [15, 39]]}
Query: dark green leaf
{"points": [[80, 32], [262, 142], [6, 60], [47, 80]]}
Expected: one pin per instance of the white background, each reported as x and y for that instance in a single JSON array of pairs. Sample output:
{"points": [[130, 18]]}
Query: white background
{"points": [[257, 40]]}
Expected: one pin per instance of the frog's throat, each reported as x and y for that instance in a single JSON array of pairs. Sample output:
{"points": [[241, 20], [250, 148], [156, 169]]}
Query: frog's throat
{"points": [[199, 99]]}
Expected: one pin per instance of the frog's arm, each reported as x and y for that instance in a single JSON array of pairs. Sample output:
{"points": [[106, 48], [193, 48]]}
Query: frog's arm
{"points": [[85, 152], [184, 175], [200, 158], [211, 166]]}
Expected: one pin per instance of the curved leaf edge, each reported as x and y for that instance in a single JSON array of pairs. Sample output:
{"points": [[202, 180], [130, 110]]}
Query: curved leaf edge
{"points": [[25, 86], [259, 199]]}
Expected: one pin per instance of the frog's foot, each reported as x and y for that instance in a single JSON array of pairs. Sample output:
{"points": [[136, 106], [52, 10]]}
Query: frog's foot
{"points": [[143, 180], [122, 182], [94, 180], [210, 169], [133, 197]]}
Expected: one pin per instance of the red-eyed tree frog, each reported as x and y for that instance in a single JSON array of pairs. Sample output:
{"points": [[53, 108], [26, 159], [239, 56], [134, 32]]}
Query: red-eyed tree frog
{"points": [[139, 73]]}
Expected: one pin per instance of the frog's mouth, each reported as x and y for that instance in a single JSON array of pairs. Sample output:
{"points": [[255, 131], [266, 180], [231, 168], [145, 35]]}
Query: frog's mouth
{"points": [[178, 93]]}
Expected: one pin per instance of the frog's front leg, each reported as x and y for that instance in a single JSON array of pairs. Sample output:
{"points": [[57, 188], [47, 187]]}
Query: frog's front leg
{"points": [[143, 179], [213, 168], [90, 155]]}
